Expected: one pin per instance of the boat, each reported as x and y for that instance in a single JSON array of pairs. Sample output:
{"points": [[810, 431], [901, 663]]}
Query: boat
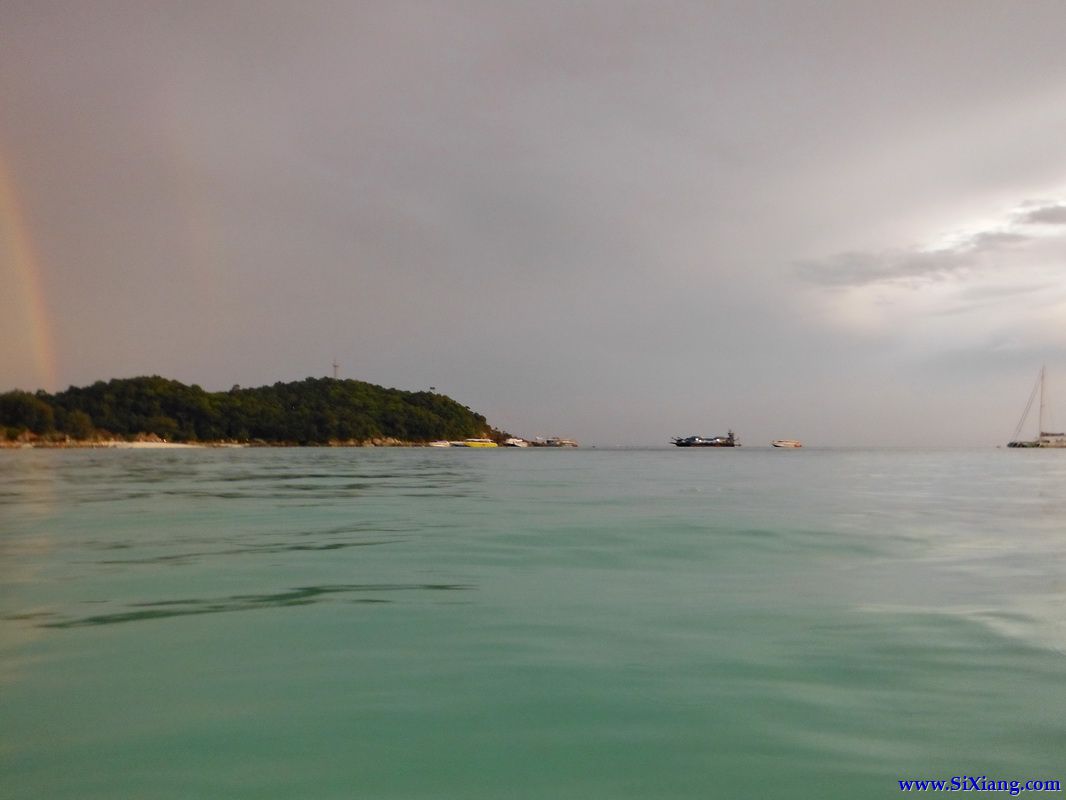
{"points": [[515, 441], [557, 441], [1044, 438], [553, 441], [793, 443], [474, 443], [440, 443], [729, 440]]}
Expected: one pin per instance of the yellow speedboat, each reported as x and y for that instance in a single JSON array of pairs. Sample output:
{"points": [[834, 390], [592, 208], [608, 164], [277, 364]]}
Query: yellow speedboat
{"points": [[475, 443]]}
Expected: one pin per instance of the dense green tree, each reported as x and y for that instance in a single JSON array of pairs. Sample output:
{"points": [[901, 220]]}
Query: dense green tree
{"points": [[312, 411], [25, 411], [79, 425]]}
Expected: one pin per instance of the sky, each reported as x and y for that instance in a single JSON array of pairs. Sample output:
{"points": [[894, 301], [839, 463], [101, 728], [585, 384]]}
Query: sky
{"points": [[842, 222]]}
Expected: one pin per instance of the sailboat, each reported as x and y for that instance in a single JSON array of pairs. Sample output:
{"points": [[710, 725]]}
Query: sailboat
{"points": [[1044, 438]]}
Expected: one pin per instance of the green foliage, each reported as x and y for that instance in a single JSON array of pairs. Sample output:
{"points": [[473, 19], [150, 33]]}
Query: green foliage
{"points": [[27, 412], [79, 425], [313, 411]]}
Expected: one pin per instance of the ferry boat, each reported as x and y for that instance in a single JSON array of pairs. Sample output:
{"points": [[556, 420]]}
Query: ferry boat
{"points": [[1044, 438], [474, 443], [729, 440], [786, 443], [553, 441]]}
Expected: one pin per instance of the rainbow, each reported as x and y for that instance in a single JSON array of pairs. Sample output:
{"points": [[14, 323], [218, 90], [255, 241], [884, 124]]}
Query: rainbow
{"points": [[25, 307]]}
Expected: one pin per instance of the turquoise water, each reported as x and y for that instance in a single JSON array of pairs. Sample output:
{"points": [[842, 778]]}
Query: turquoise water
{"points": [[351, 623]]}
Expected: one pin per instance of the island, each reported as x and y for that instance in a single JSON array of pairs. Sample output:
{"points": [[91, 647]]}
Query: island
{"points": [[311, 412]]}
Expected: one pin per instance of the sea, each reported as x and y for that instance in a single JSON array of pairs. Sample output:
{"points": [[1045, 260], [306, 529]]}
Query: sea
{"points": [[451, 623]]}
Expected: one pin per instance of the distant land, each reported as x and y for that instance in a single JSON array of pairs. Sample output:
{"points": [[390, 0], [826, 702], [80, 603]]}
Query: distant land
{"points": [[315, 411]]}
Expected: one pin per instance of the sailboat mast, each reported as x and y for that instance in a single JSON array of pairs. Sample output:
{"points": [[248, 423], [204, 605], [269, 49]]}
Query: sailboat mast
{"points": [[1040, 430]]}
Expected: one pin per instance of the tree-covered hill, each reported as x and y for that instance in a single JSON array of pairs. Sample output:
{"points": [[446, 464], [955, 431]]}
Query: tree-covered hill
{"points": [[312, 411]]}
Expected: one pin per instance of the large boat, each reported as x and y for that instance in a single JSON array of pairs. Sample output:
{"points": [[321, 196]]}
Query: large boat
{"points": [[1044, 438], [729, 440], [786, 443], [553, 441], [474, 443]]}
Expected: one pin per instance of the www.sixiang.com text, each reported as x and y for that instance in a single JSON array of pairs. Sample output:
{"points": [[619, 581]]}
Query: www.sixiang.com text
{"points": [[979, 783]]}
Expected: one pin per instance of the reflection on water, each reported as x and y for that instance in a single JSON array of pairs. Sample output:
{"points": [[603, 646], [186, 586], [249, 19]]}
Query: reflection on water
{"points": [[92, 527], [35, 476]]}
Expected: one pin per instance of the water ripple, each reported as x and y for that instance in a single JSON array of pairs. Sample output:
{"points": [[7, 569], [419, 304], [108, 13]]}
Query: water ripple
{"points": [[297, 596], [262, 549]]}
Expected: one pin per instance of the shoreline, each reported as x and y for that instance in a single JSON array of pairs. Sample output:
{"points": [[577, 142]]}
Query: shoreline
{"points": [[118, 444], [109, 444]]}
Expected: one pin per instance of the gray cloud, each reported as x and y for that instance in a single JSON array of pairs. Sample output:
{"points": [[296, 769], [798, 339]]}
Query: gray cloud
{"points": [[901, 266], [1046, 215]]}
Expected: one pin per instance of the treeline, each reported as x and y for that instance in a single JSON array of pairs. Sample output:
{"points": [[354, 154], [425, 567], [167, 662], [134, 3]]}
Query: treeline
{"points": [[312, 411]]}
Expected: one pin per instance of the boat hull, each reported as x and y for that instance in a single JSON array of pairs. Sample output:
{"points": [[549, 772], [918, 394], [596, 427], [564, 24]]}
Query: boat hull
{"points": [[705, 441]]}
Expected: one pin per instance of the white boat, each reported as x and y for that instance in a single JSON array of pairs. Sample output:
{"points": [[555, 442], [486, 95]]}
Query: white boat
{"points": [[1044, 438], [515, 441], [552, 441], [556, 441], [440, 443], [793, 443]]}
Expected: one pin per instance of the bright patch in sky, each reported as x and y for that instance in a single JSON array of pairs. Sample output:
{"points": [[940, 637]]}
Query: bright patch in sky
{"points": [[998, 285]]}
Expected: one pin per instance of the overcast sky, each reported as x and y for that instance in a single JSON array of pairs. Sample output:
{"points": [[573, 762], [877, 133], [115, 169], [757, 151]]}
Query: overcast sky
{"points": [[843, 222]]}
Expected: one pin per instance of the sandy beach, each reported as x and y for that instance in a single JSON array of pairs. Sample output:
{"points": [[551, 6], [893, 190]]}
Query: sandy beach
{"points": [[112, 444], [149, 445]]}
